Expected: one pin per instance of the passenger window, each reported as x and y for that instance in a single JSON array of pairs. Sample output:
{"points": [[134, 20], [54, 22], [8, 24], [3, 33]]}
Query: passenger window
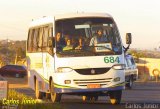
{"points": [[30, 40], [129, 62], [45, 38], [132, 61], [38, 39], [35, 41], [50, 40], [126, 63]]}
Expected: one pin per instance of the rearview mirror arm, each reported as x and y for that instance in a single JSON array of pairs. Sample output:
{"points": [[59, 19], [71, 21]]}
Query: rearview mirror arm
{"points": [[126, 48]]}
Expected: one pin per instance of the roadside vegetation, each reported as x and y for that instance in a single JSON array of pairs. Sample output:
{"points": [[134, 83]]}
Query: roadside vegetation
{"points": [[144, 53], [12, 52]]}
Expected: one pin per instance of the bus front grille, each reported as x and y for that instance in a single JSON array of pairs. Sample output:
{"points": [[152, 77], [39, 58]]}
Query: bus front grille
{"points": [[92, 71], [85, 82]]}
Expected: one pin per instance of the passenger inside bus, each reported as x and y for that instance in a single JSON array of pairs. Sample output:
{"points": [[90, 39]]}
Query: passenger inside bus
{"points": [[69, 45], [98, 38], [60, 42], [80, 43]]}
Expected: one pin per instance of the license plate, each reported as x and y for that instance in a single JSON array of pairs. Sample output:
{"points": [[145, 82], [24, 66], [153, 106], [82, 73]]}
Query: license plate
{"points": [[93, 86]]}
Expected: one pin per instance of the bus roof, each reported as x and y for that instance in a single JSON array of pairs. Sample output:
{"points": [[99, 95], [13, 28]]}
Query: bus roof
{"points": [[75, 15], [47, 20]]}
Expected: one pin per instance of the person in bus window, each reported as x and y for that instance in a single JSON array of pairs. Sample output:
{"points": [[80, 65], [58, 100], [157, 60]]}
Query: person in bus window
{"points": [[98, 38], [60, 42], [80, 43], [68, 46]]}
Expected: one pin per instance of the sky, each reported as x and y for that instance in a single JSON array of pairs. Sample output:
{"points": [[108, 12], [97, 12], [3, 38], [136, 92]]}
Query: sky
{"points": [[139, 17]]}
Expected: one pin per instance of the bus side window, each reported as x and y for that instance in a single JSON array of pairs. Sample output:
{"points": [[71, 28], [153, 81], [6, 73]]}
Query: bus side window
{"points": [[30, 40], [45, 38], [35, 40], [51, 40], [40, 38], [132, 61]]}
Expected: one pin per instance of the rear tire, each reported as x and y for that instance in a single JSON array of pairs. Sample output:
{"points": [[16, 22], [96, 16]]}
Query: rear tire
{"points": [[115, 96], [39, 94], [55, 97]]}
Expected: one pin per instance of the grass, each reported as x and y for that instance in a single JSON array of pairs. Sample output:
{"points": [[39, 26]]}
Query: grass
{"points": [[22, 101]]}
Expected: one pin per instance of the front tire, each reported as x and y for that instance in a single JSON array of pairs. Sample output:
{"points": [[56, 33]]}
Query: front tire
{"points": [[115, 96], [130, 83], [55, 97]]}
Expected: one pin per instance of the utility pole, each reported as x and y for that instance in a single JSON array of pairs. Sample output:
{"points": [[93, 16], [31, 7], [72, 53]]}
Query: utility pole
{"points": [[15, 61], [7, 51]]}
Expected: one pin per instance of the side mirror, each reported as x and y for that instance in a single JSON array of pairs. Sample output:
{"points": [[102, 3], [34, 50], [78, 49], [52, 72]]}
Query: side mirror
{"points": [[128, 38]]}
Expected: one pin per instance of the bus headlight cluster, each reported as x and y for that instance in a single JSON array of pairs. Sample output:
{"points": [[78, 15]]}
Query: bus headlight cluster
{"points": [[63, 69], [119, 66], [117, 79]]}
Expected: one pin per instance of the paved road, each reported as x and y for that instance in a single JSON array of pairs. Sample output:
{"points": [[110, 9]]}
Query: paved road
{"points": [[142, 94]]}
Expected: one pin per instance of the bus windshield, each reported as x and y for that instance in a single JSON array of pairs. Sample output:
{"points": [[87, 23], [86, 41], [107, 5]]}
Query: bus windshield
{"points": [[87, 37]]}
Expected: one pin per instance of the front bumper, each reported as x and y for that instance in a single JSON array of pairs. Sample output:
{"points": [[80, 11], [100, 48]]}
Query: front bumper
{"points": [[77, 90]]}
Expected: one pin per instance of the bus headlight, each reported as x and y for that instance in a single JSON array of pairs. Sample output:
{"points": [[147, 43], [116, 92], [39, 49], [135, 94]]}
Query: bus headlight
{"points": [[63, 69], [117, 79], [119, 66]]}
